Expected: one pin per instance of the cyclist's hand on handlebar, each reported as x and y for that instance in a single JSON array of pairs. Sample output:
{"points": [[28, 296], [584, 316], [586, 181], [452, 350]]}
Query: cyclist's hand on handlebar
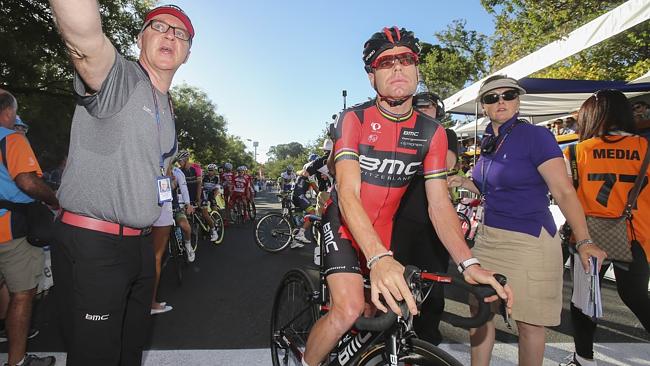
{"points": [[476, 274], [387, 278]]}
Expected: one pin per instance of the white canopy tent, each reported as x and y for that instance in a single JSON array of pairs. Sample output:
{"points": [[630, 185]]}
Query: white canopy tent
{"points": [[623, 17]]}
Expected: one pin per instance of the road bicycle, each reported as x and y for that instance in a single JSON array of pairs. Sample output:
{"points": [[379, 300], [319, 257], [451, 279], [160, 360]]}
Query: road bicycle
{"points": [[242, 211], [388, 339], [275, 231], [201, 229]]}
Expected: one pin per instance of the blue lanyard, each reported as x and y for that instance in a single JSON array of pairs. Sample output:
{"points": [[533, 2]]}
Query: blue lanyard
{"points": [[485, 172], [171, 152]]}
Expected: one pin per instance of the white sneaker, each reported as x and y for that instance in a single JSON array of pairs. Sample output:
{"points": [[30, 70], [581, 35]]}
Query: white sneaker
{"points": [[302, 238], [213, 235], [190, 252], [295, 245]]}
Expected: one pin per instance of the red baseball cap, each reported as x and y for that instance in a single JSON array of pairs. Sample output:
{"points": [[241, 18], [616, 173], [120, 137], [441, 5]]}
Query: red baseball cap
{"points": [[174, 11]]}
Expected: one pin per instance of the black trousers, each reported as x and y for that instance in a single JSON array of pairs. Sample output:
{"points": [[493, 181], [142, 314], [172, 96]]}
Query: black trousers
{"points": [[418, 244], [103, 291], [632, 286]]}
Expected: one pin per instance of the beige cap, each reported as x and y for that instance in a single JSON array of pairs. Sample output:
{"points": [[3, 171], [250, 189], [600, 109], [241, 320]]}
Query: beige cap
{"points": [[497, 82]]}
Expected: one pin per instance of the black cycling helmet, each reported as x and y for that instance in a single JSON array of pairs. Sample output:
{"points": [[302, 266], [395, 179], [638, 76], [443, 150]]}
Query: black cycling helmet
{"points": [[386, 39], [425, 99]]}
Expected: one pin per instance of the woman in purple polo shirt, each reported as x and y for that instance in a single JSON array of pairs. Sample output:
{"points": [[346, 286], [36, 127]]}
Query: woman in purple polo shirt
{"points": [[519, 164]]}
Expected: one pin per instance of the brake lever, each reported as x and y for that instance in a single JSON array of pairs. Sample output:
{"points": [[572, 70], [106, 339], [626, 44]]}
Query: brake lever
{"points": [[503, 309]]}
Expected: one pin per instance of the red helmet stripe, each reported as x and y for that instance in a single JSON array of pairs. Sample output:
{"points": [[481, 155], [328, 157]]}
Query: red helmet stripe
{"points": [[399, 35], [388, 35]]}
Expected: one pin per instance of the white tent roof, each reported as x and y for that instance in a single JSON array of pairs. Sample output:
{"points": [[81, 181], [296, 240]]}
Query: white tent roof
{"points": [[623, 17]]}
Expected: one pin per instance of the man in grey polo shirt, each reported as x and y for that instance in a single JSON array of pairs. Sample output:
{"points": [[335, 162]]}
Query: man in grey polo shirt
{"points": [[122, 139]]}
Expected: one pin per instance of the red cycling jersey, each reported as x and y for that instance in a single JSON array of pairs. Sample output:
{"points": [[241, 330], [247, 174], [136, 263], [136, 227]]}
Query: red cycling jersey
{"points": [[390, 150], [240, 183], [227, 178]]}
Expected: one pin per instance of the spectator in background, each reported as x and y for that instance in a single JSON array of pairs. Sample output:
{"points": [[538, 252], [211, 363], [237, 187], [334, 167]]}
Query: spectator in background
{"points": [[21, 264], [558, 127], [462, 148], [605, 122], [122, 138], [570, 126], [20, 126]]}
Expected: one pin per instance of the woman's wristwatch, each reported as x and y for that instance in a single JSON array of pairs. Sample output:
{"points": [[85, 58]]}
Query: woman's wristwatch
{"points": [[462, 266]]}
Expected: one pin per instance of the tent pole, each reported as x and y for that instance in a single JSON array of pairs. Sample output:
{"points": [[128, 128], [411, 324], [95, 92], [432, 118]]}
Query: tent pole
{"points": [[475, 135]]}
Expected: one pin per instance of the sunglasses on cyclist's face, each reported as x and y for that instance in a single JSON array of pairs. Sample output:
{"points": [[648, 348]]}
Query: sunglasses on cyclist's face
{"points": [[388, 61], [162, 27], [507, 95]]}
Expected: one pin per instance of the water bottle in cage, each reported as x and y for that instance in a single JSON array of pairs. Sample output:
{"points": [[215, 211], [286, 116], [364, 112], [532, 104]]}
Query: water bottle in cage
{"points": [[178, 233]]}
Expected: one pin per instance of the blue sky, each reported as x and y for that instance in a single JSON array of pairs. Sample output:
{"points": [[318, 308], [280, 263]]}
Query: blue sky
{"points": [[276, 69]]}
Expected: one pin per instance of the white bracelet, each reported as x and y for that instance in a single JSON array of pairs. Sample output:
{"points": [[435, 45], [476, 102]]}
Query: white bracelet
{"points": [[375, 258], [462, 266]]}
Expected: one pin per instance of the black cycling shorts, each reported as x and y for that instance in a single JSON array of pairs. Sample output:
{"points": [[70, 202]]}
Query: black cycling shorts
{"points": [[339, 254]]}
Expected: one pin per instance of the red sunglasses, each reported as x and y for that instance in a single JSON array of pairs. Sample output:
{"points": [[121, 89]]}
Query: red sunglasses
{"points": [[388, 61]]}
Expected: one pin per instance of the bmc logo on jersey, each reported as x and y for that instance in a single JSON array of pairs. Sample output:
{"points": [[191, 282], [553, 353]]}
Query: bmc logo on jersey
{"points": [[388, 166]]}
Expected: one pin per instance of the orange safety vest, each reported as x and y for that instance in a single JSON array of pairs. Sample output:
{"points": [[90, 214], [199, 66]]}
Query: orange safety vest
{"points": [[607, 171]]}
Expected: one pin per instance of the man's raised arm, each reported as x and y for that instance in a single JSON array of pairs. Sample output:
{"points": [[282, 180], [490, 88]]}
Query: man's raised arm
{"points": [[80, 26]]}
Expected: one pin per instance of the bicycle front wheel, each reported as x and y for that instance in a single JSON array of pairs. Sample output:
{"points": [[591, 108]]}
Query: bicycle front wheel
{"points": [[195, 227], [273, 232], [294, 313], [416, 352], [218, 226]]}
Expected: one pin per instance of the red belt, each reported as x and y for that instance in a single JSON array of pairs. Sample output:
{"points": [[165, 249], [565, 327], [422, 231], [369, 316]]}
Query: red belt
{"points": [[102, 226]]}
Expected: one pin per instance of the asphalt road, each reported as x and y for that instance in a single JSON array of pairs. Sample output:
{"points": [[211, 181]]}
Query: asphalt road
{"points": [[224, 302]]}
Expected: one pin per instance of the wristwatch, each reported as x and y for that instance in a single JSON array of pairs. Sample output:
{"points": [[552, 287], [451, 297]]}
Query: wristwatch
{"points": [[462, 266]]}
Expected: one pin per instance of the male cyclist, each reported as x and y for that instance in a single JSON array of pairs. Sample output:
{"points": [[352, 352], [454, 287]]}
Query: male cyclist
{"points": [[240, 188], [194, 186], [287, 178], [318, 168], [301, 202], [250, 192], [379, 146], [227, 180], [210, 182]]}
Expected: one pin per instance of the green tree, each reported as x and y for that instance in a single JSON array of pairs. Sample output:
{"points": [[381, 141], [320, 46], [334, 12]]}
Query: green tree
{"points": [[199, 127], [35, 67], [460, 57], [284, 151], [525, 26]]}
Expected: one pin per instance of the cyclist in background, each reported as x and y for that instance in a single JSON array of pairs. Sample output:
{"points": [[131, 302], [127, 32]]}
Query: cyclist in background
{"points": [[318, 168], [227, 178], [415, 240], [373, 163], [287, 178], [195, 188], [211, 182], [240, 188], [250, 193], [300, 201]]}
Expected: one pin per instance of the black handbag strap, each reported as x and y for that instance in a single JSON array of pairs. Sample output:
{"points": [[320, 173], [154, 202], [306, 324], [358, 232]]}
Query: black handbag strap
{"points": [[574, 165], [634, 192]]}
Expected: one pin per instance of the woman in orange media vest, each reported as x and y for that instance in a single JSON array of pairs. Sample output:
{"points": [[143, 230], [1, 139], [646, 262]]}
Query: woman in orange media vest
{"points": [[605, 123]]}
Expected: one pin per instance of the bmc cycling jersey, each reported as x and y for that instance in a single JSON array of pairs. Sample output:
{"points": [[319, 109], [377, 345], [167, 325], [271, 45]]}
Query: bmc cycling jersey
{"points": [[606, 173], [192, 179], [390, 150]]}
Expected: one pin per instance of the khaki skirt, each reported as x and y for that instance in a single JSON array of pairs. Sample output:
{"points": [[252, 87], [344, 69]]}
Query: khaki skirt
{"points": [[533, 266]]}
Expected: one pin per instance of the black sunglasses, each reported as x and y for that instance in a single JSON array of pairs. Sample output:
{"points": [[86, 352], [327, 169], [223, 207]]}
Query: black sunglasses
{"points": [[489, 145], [494, 97]]}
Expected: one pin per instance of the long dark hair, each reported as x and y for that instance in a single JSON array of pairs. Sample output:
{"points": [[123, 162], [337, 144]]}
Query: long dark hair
{"points": [[603, 112]]}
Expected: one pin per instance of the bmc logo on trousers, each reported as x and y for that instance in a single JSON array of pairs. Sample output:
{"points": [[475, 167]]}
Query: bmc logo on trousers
{"points": [[96, 318]]}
